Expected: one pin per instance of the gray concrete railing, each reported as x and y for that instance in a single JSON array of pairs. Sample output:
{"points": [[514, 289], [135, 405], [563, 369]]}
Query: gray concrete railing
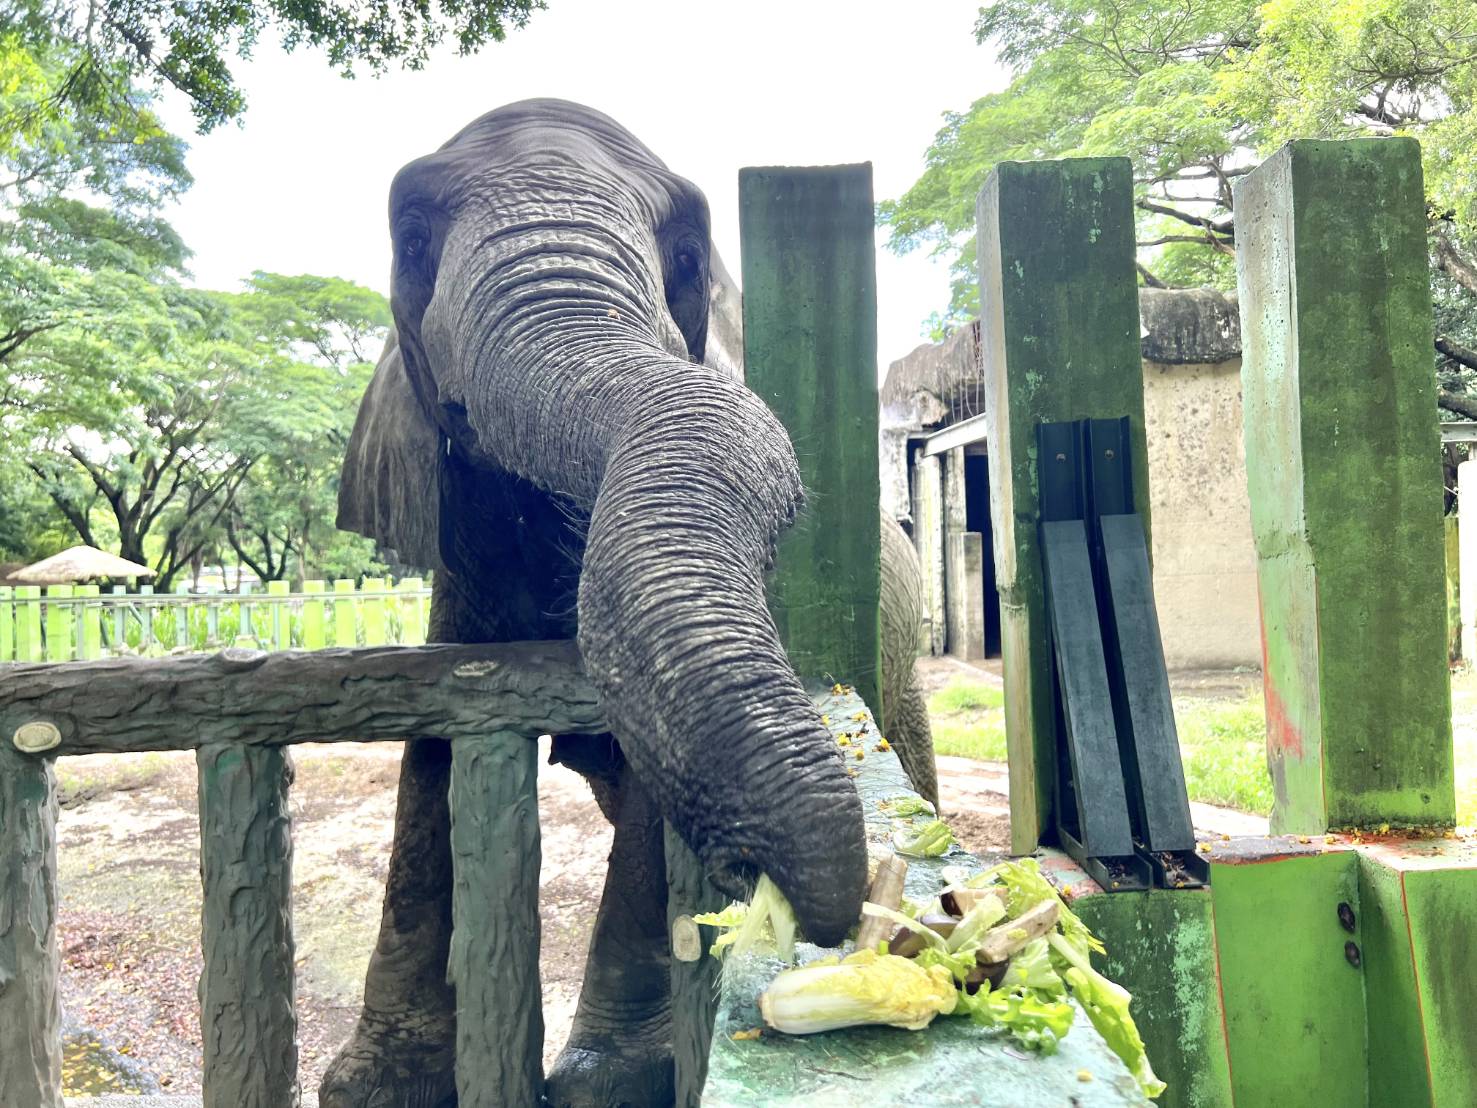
{"points": [[239, 711]]}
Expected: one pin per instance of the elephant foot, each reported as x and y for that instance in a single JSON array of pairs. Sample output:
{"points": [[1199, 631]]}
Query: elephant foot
{"points": [[389, 1070], [626, 1066]]}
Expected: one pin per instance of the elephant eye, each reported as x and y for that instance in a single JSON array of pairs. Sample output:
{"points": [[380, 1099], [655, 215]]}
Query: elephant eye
{"points": [[413, 247], [688, 264]]}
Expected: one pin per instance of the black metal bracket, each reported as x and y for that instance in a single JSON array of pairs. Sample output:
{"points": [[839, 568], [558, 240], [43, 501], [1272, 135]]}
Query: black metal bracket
{"points": [[1122, 810]]}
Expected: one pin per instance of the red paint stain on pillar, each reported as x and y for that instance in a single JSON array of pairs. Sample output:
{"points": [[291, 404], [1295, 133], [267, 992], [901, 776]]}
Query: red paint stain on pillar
{"points": [[1284, 740]]}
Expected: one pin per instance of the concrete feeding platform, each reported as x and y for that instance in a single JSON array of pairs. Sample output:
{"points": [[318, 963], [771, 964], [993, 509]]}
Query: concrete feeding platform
{"points": [[951, 1062], [1315, 969]]}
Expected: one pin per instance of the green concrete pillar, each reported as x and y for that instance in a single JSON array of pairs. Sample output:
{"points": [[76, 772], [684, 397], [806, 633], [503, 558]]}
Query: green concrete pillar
{"points": [[1162, 949], [1059, 333], [1343, 468], [1294, 1000], [810, 350]]}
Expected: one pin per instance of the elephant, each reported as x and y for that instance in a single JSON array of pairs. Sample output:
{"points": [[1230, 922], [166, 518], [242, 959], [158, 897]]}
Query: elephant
{"points": [[559, 428], [904, 710]]}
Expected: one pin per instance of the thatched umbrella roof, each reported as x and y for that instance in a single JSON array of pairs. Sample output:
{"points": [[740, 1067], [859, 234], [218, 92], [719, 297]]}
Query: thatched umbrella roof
{"points": [[78, 563]]}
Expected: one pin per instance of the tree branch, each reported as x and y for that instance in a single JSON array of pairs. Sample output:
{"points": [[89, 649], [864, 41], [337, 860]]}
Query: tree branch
{"points": [[1455, 402], [1149, 279], [1452, 262], [1457, 352]]}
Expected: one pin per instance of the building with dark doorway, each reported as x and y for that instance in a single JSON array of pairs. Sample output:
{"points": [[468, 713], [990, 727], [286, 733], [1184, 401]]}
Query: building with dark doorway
{"points": [[936, 481]]}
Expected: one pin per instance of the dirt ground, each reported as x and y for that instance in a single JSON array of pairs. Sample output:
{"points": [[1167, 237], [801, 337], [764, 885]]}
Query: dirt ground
{"points": [[128, 857]]}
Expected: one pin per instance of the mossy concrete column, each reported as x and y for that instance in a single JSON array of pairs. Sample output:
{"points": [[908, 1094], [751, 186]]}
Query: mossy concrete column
{"points": [[1162, 949], [1294, 993], [1344, 472], [1059, 333], [810, 350], [30, 1005], [247, 1015]]}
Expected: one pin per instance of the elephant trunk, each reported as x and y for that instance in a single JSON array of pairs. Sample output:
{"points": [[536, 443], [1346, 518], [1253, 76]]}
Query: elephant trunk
{"points": [[571, 375]]}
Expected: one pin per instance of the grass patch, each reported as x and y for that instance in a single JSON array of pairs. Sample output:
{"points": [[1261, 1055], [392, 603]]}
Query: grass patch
{"points": [[94, 776], [968, 720], [964, 695], [1223, 745], [982, 740]]}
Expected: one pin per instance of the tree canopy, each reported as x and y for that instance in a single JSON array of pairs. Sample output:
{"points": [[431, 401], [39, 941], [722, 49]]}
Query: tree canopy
{"points": [[168, 423], [191, 47], [1197, 92]]}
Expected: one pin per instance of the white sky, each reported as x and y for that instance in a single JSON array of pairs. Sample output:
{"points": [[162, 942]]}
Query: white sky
{"points": [[300, 186]]}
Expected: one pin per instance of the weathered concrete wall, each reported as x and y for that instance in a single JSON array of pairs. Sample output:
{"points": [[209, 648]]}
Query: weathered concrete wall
{"points": [[1204, 561]]}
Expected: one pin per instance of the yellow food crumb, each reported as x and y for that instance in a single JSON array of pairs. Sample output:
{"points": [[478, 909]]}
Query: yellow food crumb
{"points": [[860, 754], [751, 1033], [1384, 829], [1330, 839], [838, 689], [826, 720], [1084, 1075], [844, 740], [859, 716], [1303, 839], [1204, 848], [883, 745]]}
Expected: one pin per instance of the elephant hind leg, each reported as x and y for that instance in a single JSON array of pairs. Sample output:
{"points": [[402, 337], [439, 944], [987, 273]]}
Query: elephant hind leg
{"points": [[909, 733], [619, 1050], [402, 1053]]}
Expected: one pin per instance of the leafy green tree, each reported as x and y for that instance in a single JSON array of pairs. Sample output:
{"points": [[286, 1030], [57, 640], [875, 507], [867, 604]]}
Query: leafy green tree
{"points": [[191, 47], [1197, 92], [166, 423], [201, 427], [284, 514]]}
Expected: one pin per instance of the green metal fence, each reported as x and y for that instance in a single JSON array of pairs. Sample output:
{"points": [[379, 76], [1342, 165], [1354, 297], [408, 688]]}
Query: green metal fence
{"points": [[64, 623]]}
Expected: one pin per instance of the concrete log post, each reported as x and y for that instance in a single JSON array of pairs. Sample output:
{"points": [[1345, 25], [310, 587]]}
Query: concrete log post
{"points": [[1059, 335], [493, 964], [694, 971], [30, 1009], [810, 347], [247, 1013], [1343, 468]]}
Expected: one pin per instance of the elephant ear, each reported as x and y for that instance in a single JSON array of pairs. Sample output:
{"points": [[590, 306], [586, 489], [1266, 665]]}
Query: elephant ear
{"points": [[389, 489], [725, 346]]}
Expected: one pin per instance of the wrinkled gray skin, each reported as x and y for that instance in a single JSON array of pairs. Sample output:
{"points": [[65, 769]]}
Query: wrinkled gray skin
{"points": [[557, 426], [904, 710]]}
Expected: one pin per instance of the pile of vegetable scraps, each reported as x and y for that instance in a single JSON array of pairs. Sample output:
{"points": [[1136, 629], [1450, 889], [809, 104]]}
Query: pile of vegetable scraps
{"points": [[1000, 947]]}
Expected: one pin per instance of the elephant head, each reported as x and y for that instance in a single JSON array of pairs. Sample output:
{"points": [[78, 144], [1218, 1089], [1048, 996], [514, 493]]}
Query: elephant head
{"points": [[554, 292]]}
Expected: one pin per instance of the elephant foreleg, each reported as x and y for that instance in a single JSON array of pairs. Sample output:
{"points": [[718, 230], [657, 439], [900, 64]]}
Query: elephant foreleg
{"points": [[402, 1053], [619, 1050]]}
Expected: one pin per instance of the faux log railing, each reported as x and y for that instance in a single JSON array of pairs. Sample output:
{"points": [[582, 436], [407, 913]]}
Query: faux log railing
{"points": [[238, 711]]}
